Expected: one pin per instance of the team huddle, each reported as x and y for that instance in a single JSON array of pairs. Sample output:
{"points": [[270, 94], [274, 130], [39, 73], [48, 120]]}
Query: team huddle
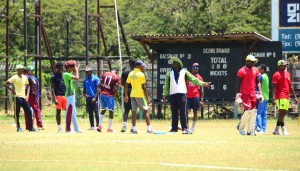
{"points": [[183, 89]]}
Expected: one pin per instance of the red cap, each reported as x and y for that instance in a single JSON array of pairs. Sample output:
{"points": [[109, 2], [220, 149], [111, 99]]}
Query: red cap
{"points": [[195, 64], [70, 63]]}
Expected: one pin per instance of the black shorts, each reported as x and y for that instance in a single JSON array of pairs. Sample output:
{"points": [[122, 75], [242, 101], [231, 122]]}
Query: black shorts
{"points": [[127, 106], [193, 103]]}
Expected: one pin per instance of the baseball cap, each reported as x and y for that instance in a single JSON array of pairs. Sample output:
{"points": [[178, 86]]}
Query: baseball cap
{"points": [[251, 58], [88, 68], [139, 62], [195, 64], [70, 63], [20, 67], [175, 59], [30, 67], [282, 62]]}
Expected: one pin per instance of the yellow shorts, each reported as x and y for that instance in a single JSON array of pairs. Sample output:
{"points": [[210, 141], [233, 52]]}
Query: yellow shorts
{"points": [[282, 104]]}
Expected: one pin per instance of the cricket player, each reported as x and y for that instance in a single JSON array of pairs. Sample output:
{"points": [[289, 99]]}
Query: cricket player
{"points": [[247, 81]]}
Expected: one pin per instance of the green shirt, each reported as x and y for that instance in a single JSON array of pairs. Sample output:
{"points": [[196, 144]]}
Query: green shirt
{"points": [[70, 87], [265, 86], [188, 76]]}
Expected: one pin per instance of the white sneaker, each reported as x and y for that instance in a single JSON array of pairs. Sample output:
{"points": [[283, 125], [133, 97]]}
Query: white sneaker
{"points": [[59, 130], [192, 129], [285, 133], [276, 133], [79, 131], [91, 128], [242, 132]]}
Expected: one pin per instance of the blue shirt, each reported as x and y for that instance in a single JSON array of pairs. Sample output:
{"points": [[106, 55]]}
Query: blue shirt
{"points": [[30, 78], [90, 85]]}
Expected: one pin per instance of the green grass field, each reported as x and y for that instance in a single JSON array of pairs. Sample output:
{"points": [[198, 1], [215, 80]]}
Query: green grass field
{"points": [[216, 145]]}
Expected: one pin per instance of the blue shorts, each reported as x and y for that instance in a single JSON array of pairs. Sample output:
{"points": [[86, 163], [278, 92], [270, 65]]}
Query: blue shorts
{"points": [[107, 102], [193, 103]]}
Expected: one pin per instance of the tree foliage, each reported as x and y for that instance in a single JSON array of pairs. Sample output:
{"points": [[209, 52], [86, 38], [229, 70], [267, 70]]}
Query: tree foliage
{"points": [[138, 17]]}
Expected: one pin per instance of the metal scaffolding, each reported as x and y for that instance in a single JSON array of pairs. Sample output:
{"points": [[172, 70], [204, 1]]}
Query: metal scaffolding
{"points": [[40, 32]]}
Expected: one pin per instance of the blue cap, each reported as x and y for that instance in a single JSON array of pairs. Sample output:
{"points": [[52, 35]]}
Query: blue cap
{"points": [[139, 62]]}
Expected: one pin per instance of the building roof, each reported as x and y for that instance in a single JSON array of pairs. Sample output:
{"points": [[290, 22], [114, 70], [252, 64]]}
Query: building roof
{"points": [[191, 38]]}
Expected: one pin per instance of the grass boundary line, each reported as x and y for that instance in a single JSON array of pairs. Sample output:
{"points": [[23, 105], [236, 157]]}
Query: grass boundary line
{"points": [[144, 163], [119, 141]]}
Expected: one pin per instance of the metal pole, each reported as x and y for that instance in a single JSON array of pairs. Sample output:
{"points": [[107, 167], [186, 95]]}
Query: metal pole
{"points": [[68, 38], [25, 32], [36, 40], [7, 53], [86, 33], [98, 37], [39, 49]]}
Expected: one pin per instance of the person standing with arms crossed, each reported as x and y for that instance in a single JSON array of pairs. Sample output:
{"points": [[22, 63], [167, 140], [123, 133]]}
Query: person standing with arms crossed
{"points": [[90, 86], [138, 82], [70, 95], [20, 99], [175, 87], [262, 108], [127, 105], [247, 81], [194, 95], [282, 87]]}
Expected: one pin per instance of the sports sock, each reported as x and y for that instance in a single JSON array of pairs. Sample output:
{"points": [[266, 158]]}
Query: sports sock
{"points": [[124, 123], [59, 126], [149, 127], [110, 123], [101, 119], [193, 125], [277, 129], [133, 128]]}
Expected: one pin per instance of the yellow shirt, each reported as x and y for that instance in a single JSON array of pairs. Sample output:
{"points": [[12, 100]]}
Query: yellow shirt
{"points": [[136, 78], [19, 84]]}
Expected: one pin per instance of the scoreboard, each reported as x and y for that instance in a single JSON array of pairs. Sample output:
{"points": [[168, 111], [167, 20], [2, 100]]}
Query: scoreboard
{"points": [[219, 62]]}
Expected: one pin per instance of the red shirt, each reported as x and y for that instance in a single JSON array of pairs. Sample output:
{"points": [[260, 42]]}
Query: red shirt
{"points": [[192, 89], [248, 83], [283, 83], [108, 82]]}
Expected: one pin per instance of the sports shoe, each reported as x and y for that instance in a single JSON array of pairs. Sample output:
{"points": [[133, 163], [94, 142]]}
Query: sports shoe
{"points": [[285, 133], [110, 130], [79, 131], [59, 130], [150, 131], [41, 128], [192, 129], [173, 130], [179, 128], [187, 132], [259, 132], [124, 128], [251, 134], [241, 131], [276, 133], [99, 129], [91, 128], [19, 129], [133, 131], [33, 130]]}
